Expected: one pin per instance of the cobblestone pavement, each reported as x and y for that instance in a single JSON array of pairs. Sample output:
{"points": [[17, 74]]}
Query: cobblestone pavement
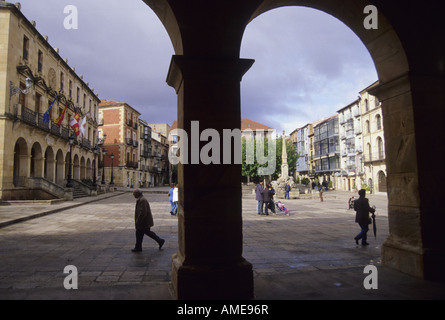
{"points": [[308, 254]]}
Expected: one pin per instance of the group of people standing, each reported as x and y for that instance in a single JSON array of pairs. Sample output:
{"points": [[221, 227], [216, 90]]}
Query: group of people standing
{"points": [[264, 197], [173, 198]]}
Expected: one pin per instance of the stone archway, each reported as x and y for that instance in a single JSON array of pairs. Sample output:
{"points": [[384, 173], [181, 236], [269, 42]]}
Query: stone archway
{"points": [[36, 161], [76, 167], [49, 167], [21, 167], [206, 73], [60, 168], [381, 182]]}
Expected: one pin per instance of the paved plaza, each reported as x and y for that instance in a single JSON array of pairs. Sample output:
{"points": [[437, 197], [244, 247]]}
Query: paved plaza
{"points": [[309, 254]]}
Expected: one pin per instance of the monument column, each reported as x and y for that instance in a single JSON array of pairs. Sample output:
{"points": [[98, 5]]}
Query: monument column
{"points": [[209, 262]]}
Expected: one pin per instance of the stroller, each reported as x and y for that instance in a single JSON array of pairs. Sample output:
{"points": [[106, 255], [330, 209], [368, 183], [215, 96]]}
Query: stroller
{"points": [[351, 203], [281, 208]]}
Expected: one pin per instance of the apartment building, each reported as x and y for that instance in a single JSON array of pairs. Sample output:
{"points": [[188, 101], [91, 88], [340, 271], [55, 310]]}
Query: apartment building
{"points": [[119, 136], [145, 155], [39, 96], [351, 147], [374, 159], [327, 149]]}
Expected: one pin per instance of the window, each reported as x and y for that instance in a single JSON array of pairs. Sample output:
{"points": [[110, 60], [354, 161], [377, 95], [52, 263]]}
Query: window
{"points": [[62, 80], [37, 102], [380, 148], [368, 126], [40, 62], [70, 89], [366, 105], [25, 48], [22, 97], [78, 96], [378, 119]]}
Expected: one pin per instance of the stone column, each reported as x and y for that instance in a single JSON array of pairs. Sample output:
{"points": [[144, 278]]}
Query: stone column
{"points": [[209, 262], [413, 127]]}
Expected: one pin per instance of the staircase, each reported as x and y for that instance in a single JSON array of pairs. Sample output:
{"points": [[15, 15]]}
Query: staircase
{"points": [[78, 193]]}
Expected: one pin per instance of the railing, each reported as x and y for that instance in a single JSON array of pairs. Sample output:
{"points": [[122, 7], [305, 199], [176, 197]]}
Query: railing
{"points": [[378, 156], [35, 119], [28, 115], [131, 164]]}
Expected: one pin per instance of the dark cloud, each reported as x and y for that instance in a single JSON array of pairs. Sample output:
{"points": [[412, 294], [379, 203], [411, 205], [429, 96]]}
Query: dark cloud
{"points": [[307, 63]]}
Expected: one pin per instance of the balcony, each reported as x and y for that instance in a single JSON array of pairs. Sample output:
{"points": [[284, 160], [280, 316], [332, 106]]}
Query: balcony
{"points": [[129, 141], [377, 156], [131, 164], [129, 123], [36, 120]]}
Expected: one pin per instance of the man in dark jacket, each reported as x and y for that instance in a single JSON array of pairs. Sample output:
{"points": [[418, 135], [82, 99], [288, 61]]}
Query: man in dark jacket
{"points": [[362, 208], [259, 197], [143, 222], [267, 197]]}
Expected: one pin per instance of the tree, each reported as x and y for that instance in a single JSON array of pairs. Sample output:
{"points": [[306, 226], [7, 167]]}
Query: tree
{"points": [[250, 164]]}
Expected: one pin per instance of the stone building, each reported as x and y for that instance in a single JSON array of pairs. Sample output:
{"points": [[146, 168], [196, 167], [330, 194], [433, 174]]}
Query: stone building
{"points": [[351, 148], [119, 130], [374, 159], [327, 149], [145, 155], [39, 96]]}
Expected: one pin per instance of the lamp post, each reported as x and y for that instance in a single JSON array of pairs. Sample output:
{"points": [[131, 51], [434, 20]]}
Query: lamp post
{"points": [[104, 152], [112, 169], [69, 182], [96, 152]]}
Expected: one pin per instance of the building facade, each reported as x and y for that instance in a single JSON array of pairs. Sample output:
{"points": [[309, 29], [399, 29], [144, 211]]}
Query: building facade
{"points": [[327, 149], [119, 133], [39, 95], [351, 147], [374, 158], [145, 155]]}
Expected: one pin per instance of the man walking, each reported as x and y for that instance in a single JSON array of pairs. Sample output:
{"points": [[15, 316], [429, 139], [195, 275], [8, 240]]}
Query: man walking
{"points": [[143, 222], [362, 208], [286, 191]]}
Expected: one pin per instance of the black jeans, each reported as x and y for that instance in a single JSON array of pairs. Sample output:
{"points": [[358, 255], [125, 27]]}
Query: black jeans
{"points": [[140, 236], [363, 233]]}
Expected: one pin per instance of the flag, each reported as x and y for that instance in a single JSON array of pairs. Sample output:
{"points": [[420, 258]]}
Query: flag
{"points": [[46, 115], [59, 120], [74, 123], [83, 125]]}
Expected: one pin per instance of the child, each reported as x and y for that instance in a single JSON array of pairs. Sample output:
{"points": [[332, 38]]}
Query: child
{"points": [[282, 207]]}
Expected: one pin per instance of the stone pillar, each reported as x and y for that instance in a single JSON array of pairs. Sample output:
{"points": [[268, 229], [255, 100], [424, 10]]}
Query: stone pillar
{"points": [[412, 115], [209, 262]]}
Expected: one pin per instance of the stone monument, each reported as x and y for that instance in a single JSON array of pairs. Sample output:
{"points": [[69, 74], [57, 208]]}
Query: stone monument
{"points": [[284, 178]]}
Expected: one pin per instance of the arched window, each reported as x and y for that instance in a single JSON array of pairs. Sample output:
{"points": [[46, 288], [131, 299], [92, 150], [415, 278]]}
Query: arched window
{"points": [[378, 120], [380, 148], [368, 126]]}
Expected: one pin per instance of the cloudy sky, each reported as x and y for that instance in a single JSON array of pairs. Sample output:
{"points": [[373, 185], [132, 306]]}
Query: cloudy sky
{"points": [[308, 63]]}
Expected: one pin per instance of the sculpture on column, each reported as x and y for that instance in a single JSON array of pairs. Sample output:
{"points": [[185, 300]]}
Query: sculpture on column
{"points": [[284, 178]]}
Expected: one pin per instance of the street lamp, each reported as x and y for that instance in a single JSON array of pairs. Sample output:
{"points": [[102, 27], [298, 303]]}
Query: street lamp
{"points": [[96, 151], [112, 169], [104, 152], [69, 182]]}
